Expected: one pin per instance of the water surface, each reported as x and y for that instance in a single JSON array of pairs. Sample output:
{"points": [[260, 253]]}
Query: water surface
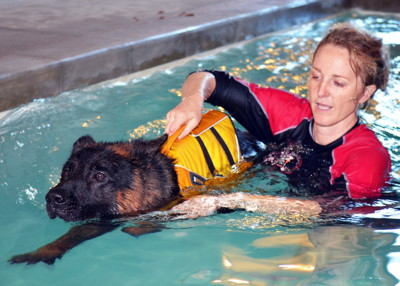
{"points": [[227, 249]]}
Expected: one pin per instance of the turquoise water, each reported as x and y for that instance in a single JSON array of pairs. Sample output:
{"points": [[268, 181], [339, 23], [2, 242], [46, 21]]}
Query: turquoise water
{"points": [[227, 249]]}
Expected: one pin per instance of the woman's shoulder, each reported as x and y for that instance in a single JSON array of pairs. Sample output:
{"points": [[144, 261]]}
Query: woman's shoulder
{"points": [[361, 149], [364, 161], [284, 109], [362, 145], [362, 137]]}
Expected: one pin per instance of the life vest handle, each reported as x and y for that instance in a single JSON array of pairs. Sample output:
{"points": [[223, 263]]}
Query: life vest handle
{"points": [[171, 139], [209, 119]]}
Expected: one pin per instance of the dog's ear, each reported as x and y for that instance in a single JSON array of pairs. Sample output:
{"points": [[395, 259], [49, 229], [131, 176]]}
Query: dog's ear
{"points": [[84, 141], [148, 146], [156, 144]]}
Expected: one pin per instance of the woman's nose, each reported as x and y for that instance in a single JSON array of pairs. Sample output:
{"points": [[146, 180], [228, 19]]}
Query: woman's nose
{"points": [[322, 90]]}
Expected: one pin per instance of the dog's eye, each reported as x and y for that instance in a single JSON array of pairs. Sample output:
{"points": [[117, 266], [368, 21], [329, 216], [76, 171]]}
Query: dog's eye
{"points": [[100, 176], [66, 171]]}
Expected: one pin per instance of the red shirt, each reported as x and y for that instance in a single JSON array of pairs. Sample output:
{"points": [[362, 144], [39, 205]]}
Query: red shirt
{"points": [[356, 162]]}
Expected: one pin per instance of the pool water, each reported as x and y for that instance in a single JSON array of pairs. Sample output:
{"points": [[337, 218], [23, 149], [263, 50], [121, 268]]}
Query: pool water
{"points": [[227, 249]]}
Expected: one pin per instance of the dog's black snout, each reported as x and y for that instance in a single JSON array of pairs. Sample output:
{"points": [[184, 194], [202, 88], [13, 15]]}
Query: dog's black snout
{"points": [[56, 197]]}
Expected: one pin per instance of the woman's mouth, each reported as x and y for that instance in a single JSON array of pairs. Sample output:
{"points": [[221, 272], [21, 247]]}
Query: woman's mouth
{"points": [[323, 107]]}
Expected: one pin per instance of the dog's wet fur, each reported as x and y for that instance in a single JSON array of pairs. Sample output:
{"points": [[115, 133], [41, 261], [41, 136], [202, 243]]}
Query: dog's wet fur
{"points": [[105, 181]]}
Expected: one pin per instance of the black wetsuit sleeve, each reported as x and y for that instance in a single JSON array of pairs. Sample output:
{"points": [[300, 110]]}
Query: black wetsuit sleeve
{"points": [[242, 104]]}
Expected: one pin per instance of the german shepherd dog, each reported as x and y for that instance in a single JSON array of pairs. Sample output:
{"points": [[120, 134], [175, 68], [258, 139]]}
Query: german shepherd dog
{"points": [[103, 182]]}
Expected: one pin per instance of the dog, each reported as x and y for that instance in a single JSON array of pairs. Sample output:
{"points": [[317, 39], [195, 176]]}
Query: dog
{"points": [[120, 179], [102, 182], [105, 184]]}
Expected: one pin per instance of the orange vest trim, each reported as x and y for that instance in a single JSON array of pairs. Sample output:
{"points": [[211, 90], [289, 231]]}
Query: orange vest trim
{"points": [[209, 151]]}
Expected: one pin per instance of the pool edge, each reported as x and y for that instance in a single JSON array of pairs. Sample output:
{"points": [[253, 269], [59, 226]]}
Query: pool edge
{"points": [[113, 62]]}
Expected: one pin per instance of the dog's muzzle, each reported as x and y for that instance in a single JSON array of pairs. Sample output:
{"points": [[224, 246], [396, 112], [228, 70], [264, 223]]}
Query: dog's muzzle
{"points": [[57, 202]]}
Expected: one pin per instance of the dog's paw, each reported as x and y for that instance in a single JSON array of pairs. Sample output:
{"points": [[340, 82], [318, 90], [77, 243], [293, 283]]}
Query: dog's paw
{"points": [[143, 228], [48, 257]]}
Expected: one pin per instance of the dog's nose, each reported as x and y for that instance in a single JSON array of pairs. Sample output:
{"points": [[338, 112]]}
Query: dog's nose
{"points": [[56, 197]]}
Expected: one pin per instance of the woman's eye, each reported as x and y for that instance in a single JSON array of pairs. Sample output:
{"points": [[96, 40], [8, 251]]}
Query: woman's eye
{"points": [[100, 176], [338, 84]]}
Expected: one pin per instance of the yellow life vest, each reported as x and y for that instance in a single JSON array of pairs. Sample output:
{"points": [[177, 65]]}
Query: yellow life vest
{"points": [[208, 151]]}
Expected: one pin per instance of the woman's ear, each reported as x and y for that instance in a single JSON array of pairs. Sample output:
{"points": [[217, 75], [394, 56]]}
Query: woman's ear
{"points": [[369, 90]]}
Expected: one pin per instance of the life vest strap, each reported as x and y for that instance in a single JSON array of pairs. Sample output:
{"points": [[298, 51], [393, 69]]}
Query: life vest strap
{"points": [[223, 145], [207, 156], [210, 150]]}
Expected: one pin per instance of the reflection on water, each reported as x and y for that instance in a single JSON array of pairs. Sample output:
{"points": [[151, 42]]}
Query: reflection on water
{"points": [[336, 255], [149, 130]]}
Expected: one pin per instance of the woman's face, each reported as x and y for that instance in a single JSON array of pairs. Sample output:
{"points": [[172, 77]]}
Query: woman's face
{"points": [[335, 91]]}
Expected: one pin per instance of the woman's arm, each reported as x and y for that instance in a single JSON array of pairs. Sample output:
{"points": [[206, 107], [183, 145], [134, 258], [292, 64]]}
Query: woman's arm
{"points": [[195, 90], [250, 104], [205, 205]]}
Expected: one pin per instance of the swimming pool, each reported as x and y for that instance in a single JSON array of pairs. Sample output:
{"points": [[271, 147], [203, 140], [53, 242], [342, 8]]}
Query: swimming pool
{"points": [[226, 249]]}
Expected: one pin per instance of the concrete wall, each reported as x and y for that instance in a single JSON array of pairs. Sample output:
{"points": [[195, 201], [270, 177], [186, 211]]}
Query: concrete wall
{"points": [[21, 86]]}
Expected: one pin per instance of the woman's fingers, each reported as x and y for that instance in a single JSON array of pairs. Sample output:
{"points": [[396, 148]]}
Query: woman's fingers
{"points": [[175, 119], [183, 114], [189, 127], [196, 88], [169, 126]]}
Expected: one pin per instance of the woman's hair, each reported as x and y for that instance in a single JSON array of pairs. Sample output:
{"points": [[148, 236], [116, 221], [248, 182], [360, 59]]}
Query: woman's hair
{"points": [[367, 56]]}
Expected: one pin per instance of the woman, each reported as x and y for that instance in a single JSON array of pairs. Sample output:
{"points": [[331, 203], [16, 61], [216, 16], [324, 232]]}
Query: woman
{"points": [[340, 153]]}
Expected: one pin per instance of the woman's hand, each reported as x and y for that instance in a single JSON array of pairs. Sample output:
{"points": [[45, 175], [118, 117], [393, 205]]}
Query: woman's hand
{"points": [[188, 112], [197, 88]]}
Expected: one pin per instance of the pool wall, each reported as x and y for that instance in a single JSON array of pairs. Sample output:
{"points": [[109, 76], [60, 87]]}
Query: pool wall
{"points": [[45, 54]]}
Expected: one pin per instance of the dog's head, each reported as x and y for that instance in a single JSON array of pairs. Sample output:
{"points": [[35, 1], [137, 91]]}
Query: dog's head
{"points": [[105, 180]]}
